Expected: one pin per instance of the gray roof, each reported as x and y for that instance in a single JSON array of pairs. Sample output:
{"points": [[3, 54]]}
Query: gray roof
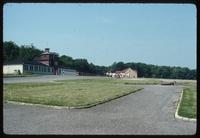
{"points": [[24, 62]]}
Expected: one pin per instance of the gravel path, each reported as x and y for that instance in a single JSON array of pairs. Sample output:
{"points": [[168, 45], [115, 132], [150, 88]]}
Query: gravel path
{"points": [[149, 111]]}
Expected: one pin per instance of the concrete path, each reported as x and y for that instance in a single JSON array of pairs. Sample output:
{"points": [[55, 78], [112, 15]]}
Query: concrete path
{"points": [[150, 111]]}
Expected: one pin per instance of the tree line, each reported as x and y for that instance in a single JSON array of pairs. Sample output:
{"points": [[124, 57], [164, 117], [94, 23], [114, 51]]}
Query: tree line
{"points": [[12, 53]]}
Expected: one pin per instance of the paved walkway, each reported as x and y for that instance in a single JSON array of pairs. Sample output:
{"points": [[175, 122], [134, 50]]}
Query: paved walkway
{"points": [[150, 111]]}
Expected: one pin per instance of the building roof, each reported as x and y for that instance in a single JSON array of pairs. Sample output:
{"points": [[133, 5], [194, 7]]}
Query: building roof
{"points": [[35, 63], [123, 71], [41, 58], [24, 62]]}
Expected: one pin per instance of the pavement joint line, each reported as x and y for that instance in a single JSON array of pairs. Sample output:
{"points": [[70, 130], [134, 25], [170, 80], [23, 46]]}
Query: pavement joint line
{"points": [[180, 117], [71, 107]]}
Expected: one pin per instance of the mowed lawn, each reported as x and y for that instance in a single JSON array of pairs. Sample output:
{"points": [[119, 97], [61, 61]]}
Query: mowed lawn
{"points": [[70, 93], [188, 106]]}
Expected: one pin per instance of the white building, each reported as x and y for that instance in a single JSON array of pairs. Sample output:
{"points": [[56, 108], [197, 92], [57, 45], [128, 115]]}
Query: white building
{"points": [[27, 67], [110, 74]]}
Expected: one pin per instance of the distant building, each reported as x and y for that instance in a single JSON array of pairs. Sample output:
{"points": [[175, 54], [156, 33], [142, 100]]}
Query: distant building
{"points": [[50, 59], [126, 73], [46, 63]]}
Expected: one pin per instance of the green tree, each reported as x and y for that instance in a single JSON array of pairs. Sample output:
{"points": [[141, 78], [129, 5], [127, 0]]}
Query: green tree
{"points": [[10, 51], [66, 61], [81, 65], [117, 66], [28, 52]]}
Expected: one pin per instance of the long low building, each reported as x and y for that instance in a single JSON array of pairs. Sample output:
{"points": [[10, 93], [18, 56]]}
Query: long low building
{"points": [[34, 68], [26, 67], [46, 64]]}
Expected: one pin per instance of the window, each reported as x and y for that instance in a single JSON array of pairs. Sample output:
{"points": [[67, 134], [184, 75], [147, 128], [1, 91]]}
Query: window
{"points": [[39, 68], [31, 67], [45, 69], [48, 69], [25, 67], [36, 68]]}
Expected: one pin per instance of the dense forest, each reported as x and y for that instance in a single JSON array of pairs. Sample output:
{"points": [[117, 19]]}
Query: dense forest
{"points": [[13, 53]]}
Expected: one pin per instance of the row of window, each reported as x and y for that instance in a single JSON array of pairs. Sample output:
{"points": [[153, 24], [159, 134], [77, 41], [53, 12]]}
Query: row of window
{"points": [[37, 68]]}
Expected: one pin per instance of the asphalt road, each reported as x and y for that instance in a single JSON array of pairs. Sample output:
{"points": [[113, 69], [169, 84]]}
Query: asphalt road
{"points": [[146, 112], [45, 78]]}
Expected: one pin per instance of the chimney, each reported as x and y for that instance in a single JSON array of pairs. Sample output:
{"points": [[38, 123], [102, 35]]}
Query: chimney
{"points": [[46, 50]]}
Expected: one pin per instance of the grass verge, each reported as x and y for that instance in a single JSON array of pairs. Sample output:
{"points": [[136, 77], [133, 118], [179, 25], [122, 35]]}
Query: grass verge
{"points": [[188, 105], [71, 93]]}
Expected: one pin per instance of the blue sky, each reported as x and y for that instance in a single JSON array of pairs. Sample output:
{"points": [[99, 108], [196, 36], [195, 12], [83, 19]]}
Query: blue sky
{"points": [[159, 34]]}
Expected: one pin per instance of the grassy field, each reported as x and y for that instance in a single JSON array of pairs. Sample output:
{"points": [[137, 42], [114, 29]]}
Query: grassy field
{"points": [[71, 93], [188, 106]]}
